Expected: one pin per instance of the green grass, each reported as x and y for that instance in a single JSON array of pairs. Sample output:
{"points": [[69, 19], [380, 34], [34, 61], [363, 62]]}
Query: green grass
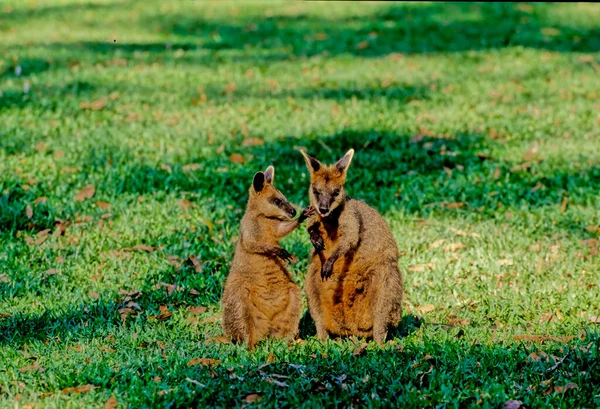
{"points": [[473, 123]]}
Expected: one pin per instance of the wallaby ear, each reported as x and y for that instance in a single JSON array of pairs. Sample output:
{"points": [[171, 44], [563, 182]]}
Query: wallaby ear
{"points": [[343, 164], [270, 175], [312, 163], [259, 182]]}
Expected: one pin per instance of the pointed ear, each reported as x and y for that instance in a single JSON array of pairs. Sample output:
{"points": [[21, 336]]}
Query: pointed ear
{"points": [[343, 164], [259, 182], [270, 175], [311, 163]]}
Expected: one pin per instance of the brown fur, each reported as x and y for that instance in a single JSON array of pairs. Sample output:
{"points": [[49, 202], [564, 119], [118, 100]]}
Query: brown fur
{"points": [[353, 286], [260, 298]]}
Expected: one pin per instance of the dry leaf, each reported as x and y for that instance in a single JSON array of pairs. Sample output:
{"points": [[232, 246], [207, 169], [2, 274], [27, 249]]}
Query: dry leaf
{"points": [[143, 247], [419, 268], [426, 308], [236, 158], [360, 350], [459, 321], [190, 167], [85, 193], [196, 310], [79, 389], [35, 367], [452, 247], [550, 31], [111, 403], [563, 389], [230, 88], [563, 205], [184, 204], [217, 340], [166, 168], [542, 338], [95, 105], [193, 261], [595, 319], [29, 212], [4, 278], [362, 45], [456, 205], [93, 295], [505, 262], [513, 404], [41, 237], [436, 244], [40, 147], [103, 205], [320, 36], [252, 398], [164, 315], [253, 142], [204, 362]]}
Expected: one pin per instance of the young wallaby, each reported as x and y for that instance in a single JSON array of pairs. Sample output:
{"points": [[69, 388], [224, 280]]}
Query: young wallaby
{"points": [[260, 297], [353, 285]]}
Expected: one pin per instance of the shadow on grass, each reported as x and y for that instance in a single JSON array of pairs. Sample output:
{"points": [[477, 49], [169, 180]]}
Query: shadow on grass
{"points": [[394, 29]]}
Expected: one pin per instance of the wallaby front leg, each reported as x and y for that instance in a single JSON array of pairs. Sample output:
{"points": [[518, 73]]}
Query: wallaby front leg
{"points": [[264, 248]]}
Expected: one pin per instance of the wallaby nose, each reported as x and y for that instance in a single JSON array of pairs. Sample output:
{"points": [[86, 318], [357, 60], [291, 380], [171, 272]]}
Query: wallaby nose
{"points": [[323, 210], [292, 212]]}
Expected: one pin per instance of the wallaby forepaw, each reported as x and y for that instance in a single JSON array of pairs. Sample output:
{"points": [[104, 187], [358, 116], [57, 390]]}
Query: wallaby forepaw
{"points": [[326, 271], [317, 241], [286, 256], [306, 213]]}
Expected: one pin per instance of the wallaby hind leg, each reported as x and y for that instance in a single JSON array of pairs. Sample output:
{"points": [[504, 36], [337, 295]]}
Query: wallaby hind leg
{"points": [[387, 303], [314, 302]]}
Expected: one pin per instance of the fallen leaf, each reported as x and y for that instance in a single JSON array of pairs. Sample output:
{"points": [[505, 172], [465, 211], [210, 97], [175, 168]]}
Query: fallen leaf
{"points": [[360, 350], [505, 262], [190, 167], [113, 95], [595, 319], [204, 362], [253, 142], [79, 389], [4, 278], [195, 382], [456, 205], [51, 272], [236, 158], [564, 204], [166, 168], [143, 247], [41, 237], [362, 45], [217, 340], [111, 403], [29, 212], [513, 404], [452, 247], [184, 204], [193, 261], [230, 88], [550, 31], [196, 310], [426, 308], [460, 321], [93, 295], [436, 244], [320, 36], [563, 389], [252, 398], [41, 199], [162, 393], [164, 315], [542, 338], [419, 268], [35, 367], [103, 205], [94, 105], [85, 193]]}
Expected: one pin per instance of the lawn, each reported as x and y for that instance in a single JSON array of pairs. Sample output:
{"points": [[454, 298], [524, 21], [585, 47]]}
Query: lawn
{"points": [[129, 134]]}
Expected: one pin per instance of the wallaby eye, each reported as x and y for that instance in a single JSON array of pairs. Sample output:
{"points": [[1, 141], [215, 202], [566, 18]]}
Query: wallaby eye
{"points": [[336, 192], [315, 192], [277, 202]]}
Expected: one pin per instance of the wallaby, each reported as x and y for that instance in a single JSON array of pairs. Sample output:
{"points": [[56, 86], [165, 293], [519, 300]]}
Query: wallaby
{"points": [[353, 285], [260, 298]]}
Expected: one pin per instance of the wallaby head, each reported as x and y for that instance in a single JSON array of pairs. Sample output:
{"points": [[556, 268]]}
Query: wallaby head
{"points": [[327, 182], [266, 200]]}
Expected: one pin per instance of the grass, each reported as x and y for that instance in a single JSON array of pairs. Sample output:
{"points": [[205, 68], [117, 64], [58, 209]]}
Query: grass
{"points": [[476, 128]]}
